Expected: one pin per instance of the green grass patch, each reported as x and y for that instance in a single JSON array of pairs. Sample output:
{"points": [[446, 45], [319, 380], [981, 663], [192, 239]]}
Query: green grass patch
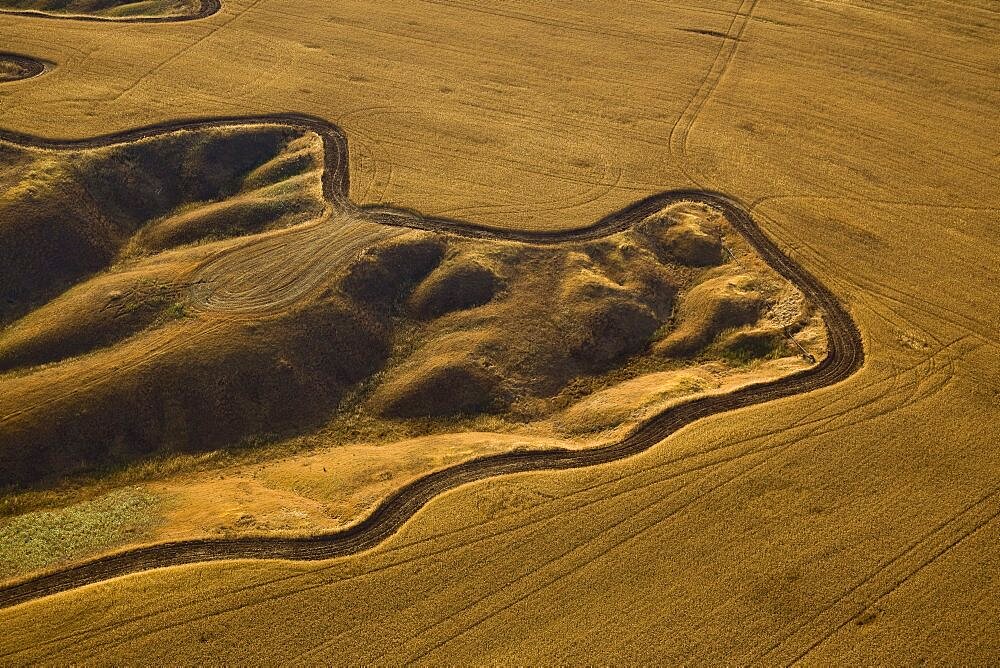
{"points": [[746, 348], [175, 311], [45, 538]]}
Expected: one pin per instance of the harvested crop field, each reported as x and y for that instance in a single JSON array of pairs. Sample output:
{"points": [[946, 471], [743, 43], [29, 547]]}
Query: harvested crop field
{"points": [[532, 333]]}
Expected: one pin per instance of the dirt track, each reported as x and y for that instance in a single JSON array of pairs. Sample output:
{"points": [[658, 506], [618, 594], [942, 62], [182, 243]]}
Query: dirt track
{"points": [[845, 356]]}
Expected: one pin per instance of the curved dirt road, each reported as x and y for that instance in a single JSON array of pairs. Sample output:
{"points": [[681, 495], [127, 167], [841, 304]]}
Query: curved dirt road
{"points": [[845, 355]]}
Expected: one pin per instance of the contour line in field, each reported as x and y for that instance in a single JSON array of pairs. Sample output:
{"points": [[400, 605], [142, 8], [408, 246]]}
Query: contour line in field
{"points": [[845, 355]]}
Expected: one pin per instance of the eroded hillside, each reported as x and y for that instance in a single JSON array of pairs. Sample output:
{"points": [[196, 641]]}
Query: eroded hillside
{"points": [[188, 290], [852, 523], [112, 10]]}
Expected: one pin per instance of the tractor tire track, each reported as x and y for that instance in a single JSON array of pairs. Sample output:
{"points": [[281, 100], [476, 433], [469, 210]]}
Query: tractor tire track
{"points": [[677, 143], [845, 356], [866, 594]]}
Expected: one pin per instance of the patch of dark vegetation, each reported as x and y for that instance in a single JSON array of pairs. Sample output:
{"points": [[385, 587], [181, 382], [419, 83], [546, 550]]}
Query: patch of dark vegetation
{"points": [[745, 347]]}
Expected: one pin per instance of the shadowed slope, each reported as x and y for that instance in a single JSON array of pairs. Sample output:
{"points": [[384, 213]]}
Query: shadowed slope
{"points": [[226, 288], [139, 11], [844, 356]]}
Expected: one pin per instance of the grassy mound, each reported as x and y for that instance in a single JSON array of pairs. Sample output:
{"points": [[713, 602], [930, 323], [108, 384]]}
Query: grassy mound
{"points": [[690, 236], [92, 315], [608, 331], [107, 8], [709, 308], [66, 215], [455, 372], [239, 381], [119, 344], [385, 274], [455, 286]]}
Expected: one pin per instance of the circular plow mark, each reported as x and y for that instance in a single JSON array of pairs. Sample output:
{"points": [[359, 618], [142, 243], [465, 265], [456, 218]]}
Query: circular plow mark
{"points": [[845, 355], [25, 67], [205, 9]]}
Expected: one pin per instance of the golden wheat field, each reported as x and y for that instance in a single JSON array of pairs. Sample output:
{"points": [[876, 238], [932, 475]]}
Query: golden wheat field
{"points": [[456, 332]]}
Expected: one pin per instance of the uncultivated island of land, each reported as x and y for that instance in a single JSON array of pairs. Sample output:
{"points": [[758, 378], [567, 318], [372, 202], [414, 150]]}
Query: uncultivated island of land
{"points": [[138, 11], [855, 523], [214, 289]]}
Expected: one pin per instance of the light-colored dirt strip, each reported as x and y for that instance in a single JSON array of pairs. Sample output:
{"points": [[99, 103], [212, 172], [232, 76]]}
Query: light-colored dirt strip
{"points": [[845, 356]]}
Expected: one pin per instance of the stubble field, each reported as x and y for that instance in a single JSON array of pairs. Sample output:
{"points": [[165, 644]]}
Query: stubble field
{"points": [[853, 523]]}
